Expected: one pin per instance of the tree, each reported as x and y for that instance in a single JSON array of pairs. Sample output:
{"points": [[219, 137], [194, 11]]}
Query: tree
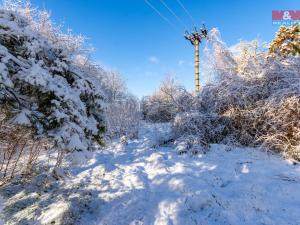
{"points": [[286, 42], [114, 86]]}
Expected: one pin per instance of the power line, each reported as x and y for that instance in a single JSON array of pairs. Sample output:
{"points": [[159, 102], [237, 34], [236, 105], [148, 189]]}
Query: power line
{"points": [[174, 14], [161, 15], [186, 11]]}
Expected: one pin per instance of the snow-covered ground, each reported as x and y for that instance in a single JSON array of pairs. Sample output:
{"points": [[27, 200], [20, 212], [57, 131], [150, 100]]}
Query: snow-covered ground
{"points": [[1, 210], [144, 182]]}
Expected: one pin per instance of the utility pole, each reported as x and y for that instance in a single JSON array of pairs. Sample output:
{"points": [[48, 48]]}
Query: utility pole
{"points": [[196, 39]]}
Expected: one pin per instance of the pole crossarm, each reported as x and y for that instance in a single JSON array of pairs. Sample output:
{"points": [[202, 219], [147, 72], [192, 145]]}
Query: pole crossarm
{"points": [[196, 35]]}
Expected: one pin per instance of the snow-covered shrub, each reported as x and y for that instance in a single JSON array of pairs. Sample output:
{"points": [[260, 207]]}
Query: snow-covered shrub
{"points": [[123, 117], [170, 99], [43, 88], [252, 107], [209, 128], [271, 116]]}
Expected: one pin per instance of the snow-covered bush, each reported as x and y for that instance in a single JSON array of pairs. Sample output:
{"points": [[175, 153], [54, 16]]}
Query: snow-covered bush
{"points": [[196, 130], [43, 88], [254, 103], [123, 109], [123, 117], [170, 99]]}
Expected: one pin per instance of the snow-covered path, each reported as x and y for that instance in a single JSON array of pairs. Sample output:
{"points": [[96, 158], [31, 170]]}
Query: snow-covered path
{"points": [[143, 183]]}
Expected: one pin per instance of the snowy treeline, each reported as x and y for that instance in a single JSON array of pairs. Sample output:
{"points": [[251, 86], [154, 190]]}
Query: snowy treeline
{"points": [[254, 101]]}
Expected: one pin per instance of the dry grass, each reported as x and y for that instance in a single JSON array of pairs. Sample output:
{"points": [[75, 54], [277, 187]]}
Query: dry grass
{"points": [[19, 150]]}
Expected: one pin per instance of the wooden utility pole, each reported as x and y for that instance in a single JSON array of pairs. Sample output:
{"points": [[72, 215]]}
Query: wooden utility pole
{"points": [[196, 38]]}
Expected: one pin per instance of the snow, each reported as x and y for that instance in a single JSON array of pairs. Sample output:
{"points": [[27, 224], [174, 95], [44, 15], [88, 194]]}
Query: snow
{"points": [[75, 142], [22, 118], [55, 211], [145, 181], [140, 182], [1, 210]]}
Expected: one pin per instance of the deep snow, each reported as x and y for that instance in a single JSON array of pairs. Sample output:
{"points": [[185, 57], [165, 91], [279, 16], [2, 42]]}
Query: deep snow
{"points": [[146, 182]]}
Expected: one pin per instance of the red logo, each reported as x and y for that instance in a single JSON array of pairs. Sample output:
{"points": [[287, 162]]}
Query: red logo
{"points": [[286, 15]]}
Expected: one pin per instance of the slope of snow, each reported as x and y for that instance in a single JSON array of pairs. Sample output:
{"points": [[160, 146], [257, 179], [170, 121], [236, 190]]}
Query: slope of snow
{"points": [[144, 182]]}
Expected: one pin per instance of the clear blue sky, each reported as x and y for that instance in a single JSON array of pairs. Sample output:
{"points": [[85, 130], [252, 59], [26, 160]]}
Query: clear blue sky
{"points": [[131, 38]]}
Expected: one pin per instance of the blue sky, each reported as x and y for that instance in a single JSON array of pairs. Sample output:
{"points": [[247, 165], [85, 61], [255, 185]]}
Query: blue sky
{"points": [[130, 37]]}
